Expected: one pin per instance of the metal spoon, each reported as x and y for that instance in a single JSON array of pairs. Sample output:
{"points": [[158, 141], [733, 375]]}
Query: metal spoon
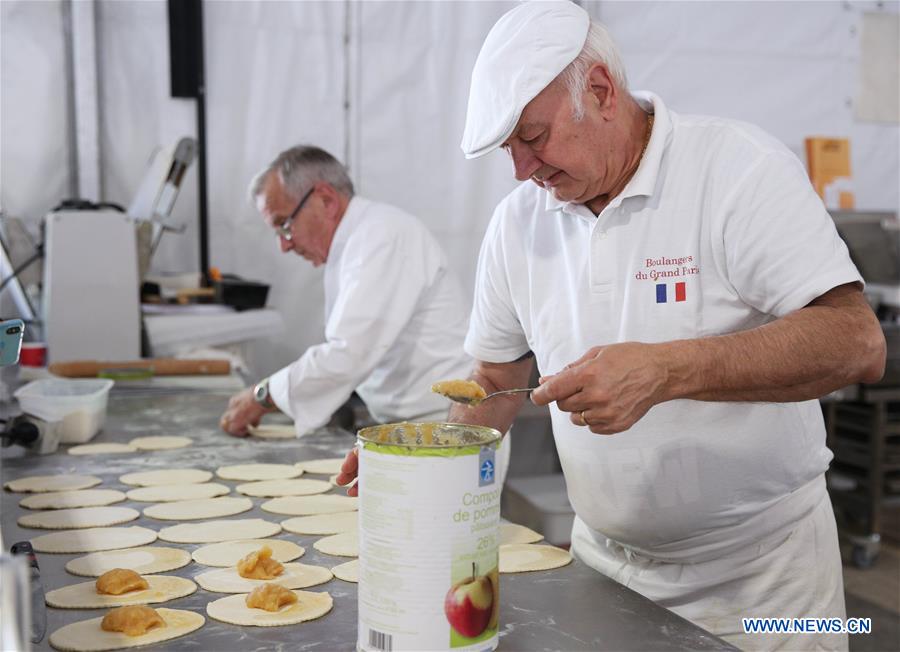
{"points": [[472, 402]]}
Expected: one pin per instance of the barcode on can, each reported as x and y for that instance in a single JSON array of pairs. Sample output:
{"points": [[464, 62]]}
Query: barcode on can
{"points": [[380, 640]]}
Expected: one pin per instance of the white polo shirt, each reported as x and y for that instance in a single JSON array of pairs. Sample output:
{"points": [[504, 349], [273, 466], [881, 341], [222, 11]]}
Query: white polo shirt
{"points": [[718, 231], [395, 319]]}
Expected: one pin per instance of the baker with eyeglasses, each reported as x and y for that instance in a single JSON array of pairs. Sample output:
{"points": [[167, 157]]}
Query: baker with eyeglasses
{"points": [[395, 317]]}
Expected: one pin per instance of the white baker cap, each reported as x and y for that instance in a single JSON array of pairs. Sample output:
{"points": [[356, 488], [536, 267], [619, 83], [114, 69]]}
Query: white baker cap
{"points": [[525, 51]]}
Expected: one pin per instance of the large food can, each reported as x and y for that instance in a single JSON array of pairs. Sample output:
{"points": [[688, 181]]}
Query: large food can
{"points": [[429, 515]]}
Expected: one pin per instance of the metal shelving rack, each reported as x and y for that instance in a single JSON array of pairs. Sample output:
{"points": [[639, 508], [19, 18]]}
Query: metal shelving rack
{"points": [[864, 478]]}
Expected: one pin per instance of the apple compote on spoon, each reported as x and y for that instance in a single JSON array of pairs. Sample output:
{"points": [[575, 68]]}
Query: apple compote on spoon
{"points": [[470, 393], [461, 391]]}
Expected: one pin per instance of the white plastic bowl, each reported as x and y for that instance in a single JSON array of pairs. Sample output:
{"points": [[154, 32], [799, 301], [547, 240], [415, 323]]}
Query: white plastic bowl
{"points": [[78, 403]]}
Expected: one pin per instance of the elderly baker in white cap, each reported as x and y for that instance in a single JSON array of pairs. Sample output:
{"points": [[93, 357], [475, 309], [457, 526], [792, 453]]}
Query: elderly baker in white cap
{"points": [[684, 292]]}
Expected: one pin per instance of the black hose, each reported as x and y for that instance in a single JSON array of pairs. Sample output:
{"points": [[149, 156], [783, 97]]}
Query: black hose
{"points": [[39, 253]]}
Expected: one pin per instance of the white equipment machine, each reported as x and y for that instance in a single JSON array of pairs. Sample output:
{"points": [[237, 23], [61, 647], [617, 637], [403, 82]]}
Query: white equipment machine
{"points": [[91, 300], [94, 260]]}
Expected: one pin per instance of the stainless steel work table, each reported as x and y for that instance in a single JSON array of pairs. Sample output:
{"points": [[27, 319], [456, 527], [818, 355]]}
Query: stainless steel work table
{"points": [[572, 608]]}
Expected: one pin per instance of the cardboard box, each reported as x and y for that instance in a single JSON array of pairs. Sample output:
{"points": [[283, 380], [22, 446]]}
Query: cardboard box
{"points": [[828, 162]]}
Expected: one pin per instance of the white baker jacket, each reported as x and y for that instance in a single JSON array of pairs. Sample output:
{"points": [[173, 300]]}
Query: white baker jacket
{"points": [[395, 323]]}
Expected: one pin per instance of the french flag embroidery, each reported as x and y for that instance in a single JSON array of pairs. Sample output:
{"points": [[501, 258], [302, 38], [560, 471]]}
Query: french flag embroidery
{"points": [[662, 294]]}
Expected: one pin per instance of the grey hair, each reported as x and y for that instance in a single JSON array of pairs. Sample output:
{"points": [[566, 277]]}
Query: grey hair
{"points": [[599, 47], [299, 168]]}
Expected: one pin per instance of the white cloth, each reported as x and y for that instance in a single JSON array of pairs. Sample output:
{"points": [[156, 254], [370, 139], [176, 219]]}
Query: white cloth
{"points": [[718, 231], [395, 319], [777, 576]]}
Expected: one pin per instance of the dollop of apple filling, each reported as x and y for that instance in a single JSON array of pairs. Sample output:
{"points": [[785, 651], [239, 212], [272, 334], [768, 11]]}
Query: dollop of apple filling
{"points": [[134, 620], [259, 565], [466, 391], [270, 597], [120, 580]]}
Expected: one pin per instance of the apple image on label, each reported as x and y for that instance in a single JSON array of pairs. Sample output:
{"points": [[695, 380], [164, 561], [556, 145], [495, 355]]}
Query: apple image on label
{"points": [[469, 604]]}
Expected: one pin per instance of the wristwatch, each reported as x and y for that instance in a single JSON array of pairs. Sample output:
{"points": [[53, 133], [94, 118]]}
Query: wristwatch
{"points": [[261, 394]]}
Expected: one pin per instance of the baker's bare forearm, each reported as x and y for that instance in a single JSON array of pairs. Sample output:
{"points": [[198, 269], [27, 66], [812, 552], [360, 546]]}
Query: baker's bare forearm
{"points": [[833, 342], [498, 412], [775, 395]]}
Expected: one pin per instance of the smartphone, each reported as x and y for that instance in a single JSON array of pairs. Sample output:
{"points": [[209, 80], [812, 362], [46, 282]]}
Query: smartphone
{"points": [[11, 332]]}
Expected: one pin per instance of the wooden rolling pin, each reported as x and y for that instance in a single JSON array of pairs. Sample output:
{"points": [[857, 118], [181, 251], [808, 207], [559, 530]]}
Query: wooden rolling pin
{"points": [[159, 367]]}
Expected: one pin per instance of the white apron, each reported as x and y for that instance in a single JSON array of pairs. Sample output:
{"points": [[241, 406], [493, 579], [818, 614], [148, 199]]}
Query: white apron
{"points": [[795, 572]]}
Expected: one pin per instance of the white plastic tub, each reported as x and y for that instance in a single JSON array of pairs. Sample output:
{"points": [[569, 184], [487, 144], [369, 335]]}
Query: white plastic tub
{"points": [[78, 404]]}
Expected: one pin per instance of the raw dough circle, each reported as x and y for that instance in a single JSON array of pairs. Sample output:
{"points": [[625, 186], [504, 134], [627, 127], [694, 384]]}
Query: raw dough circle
{"points": [[333, 479], [101, 449], [62, 482], [80, 517], [269, 488], [323, 523], [233, 609], [214, 531], [295, 576], [166, 493], [69, 499], [251, 472], [143, 561], [165, 476], [229, 553], [349, 571], [524, 557], [93, 539], [309, 505], [86, 635], [160, 443], [273, 431], [85, 596], [345, 544], [328, 466], [188, 510], [515, 533]]}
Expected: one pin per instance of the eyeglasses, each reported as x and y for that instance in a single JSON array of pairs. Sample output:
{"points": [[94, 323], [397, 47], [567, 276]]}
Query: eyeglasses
{"points": [[285, 229]]}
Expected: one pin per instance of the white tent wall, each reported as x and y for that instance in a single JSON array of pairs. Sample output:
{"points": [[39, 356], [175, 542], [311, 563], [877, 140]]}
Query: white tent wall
{"points": [[35, 165], [137, 116], [789, 67], [412, 67], [279, 73], [275, 77]]}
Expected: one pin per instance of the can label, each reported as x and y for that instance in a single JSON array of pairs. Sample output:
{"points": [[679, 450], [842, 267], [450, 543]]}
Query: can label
{"points": [[429, 523]]}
